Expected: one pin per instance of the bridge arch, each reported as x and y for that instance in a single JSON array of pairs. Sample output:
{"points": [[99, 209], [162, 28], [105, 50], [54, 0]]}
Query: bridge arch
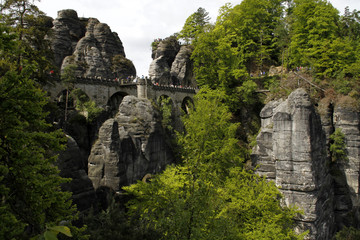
{"points": [[114, 101], [74, 96], [166, 99], [168, 109], [61, 99], [186, 104]]}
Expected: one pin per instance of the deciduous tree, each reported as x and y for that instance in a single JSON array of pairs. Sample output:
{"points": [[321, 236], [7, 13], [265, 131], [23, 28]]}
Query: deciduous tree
{"points": [[31, 197], [210, 195]]}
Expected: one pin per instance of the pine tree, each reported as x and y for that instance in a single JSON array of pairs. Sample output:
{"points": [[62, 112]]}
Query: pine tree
{"points": [[194, 25]]}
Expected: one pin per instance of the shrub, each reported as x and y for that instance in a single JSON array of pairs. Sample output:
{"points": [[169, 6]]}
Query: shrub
{"points": [[338, 146]]}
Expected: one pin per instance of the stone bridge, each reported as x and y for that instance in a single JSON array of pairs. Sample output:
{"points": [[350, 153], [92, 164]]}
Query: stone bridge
{"points": [[110, 92]]}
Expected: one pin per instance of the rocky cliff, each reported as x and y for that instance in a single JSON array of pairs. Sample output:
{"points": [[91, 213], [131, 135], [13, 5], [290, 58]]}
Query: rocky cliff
{"points": [[90, 45], [293, 150], [71, 163], [129, 146], [171, 63]]}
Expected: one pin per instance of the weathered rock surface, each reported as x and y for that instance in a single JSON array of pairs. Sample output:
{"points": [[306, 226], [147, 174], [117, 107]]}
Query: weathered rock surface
{"points": [[346, 172], [159, 71], [68, 29], [172, 64], [90, 45], [72, 165], [129, 146], [182, 68], [291, 150]]}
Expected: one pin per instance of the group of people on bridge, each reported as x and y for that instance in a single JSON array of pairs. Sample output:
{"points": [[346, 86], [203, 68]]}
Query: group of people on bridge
{"points": [[132, 80]]}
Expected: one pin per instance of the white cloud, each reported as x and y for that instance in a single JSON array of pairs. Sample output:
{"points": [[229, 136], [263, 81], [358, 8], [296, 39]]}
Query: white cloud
{"points": [[138, 22]]}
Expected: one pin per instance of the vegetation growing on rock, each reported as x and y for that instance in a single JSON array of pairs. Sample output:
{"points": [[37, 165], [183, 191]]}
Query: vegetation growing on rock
{"points": [[212, 193]]}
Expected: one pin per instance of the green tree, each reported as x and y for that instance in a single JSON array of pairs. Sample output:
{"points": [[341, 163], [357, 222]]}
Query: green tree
{"points": [[350, 24], [68, 77], [338, 146], [31, 26], [166, 110], [348, 233], [242, 42], [350, 29], [210, 195], [31, 198], [316, 41], [195, 24]]}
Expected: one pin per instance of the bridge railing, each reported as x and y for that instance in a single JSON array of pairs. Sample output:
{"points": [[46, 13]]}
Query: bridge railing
{"points": [[133, 82], [94, 80], [178, 88]]}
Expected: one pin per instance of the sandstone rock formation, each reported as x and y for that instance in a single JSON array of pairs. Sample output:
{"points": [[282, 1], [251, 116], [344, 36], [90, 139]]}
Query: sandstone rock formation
{"points": [[90, 45], [129, 146], [290, 148], [293, 150], [346, 172], [182, 68], [171, 64], [72, 165]]}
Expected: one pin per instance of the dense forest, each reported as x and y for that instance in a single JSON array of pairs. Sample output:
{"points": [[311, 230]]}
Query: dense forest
{"points": [[212, 192]]}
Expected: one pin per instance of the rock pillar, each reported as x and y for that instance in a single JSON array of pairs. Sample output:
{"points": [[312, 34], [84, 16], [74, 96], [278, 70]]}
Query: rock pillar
{"points": [[292, 152]]}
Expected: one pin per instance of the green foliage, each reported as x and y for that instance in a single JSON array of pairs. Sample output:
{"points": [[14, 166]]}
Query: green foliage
{"points": [[68, 75], [112, 223], [209, 135], [92, 110], [241, 43], [154, 45], [181, 205], [30, 194], [250, 37], [348, 233], [316, 40], [31, 26], [195, 24], [166, 110], [52, 232], [85, 105], [338, 146], [210, 195], [121, 64], [247, 90]]}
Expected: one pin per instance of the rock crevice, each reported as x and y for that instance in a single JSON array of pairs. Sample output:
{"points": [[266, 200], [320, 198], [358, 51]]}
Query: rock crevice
{"points": [[293, 149], [129, 146]]}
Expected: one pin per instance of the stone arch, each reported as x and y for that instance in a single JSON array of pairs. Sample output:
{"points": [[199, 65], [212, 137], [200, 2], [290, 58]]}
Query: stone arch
{"points": [[169, 119], [74, 95], [80, 95], [187, 103], [163, 97], [114, 102], [61, 99]]}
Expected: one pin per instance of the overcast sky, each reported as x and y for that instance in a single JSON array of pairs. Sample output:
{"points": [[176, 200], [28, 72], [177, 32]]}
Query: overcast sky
{"points": [[139, 22]]}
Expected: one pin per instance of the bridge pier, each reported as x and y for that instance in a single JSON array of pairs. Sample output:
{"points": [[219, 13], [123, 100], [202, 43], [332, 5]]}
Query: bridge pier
{"points": [[142, 88]]}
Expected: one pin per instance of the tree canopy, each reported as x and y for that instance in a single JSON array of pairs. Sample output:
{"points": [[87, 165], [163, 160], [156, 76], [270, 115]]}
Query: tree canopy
{"points": [[31, 197], [195, 24], [211, 195], [31, 27]]}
